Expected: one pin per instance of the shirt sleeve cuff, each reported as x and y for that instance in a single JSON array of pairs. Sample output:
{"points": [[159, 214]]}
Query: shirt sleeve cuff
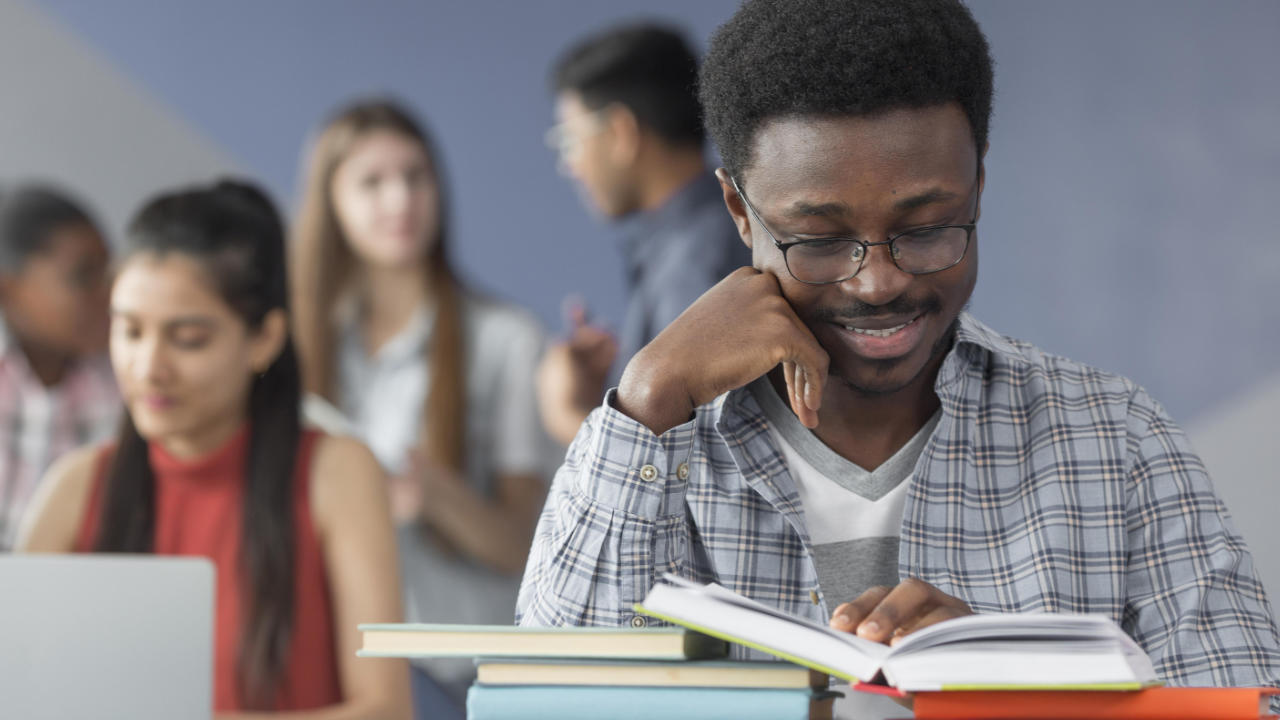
{"points": [[624, 466]]}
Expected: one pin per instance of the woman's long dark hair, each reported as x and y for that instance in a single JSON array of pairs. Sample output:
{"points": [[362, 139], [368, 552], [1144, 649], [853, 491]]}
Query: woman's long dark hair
{"points": [[235, 233]]}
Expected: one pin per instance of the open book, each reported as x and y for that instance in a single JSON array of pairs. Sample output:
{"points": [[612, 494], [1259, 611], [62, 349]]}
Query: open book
{"points": [[1011, 651]]}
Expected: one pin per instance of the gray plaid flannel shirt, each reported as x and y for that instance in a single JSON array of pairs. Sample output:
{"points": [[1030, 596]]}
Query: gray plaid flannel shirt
{"points": [[1047, 485]]}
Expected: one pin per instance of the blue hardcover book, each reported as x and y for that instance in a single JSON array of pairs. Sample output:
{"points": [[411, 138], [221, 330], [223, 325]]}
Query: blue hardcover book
{"points": [[551, 702]]}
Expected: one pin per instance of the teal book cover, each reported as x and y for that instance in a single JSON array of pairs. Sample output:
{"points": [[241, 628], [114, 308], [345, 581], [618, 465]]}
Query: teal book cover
{"points": [[488, 702]]}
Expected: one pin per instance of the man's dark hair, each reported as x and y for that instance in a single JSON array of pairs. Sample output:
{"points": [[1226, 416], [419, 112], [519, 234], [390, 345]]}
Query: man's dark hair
{"points": [[650, 69], [28, 216], [789, 58]]}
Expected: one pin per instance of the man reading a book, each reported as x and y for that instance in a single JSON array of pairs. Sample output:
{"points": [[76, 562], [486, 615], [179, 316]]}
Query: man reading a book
{"points": [[829, 432]]}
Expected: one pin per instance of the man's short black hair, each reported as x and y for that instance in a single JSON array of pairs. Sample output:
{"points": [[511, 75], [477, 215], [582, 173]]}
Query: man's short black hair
{"points": [[789, 58], [28, 216], [648, 68]]}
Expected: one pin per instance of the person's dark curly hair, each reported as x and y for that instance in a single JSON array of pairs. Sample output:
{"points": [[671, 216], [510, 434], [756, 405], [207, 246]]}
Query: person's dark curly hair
{"points": [[780, 58]]}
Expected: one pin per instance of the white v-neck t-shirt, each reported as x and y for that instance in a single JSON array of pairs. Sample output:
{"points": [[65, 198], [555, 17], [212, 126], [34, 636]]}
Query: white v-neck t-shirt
{"points": [[854, 516]]}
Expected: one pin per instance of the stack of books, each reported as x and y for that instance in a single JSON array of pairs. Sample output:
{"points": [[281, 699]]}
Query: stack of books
{"points": [[619, 673], [998, 667], [1031, 666]]}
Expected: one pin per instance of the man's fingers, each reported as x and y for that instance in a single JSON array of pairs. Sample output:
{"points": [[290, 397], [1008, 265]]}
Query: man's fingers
{"points": [[589, 343], [807, 414], [789, 377], [813, 361], [847, 616], [805, 372], [910, 599], [813, 378], [573, 309], [799, 390], [932, 617]]}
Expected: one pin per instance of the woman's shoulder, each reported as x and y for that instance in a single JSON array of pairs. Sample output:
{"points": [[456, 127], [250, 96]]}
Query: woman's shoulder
{"points": [[53, 518], [76, 472], [336, 451], [344, 473]]}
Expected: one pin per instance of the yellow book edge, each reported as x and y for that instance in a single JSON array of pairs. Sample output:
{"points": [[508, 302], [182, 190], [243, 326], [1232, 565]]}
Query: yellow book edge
{"points": [[850, 678]]}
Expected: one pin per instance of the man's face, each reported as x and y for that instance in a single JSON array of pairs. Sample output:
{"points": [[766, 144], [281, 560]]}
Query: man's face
{"points": [[868, 178], [589, 154], [58, 300]]}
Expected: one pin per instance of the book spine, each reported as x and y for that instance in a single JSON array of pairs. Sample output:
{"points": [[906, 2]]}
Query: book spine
{"points": [[1151, 704], [579, 703]]}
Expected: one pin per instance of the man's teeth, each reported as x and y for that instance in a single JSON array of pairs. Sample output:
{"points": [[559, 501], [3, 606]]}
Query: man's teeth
{"points": [[878, 333]]}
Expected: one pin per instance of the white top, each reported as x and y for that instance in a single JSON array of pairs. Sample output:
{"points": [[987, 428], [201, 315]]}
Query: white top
{"points": [[383, 397], [832, 512], [853, 515]]}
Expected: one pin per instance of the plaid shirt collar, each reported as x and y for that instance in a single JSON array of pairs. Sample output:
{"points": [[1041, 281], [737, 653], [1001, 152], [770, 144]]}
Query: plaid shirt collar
{"points": [[741, 422]]}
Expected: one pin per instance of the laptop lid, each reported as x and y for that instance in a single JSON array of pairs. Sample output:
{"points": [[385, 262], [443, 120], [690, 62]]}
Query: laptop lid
{"points": [[106, 636]]}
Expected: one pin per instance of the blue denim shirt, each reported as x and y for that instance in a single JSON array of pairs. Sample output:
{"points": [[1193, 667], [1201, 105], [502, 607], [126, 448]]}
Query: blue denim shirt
{"points": [[1047, 485], [674, 254]]}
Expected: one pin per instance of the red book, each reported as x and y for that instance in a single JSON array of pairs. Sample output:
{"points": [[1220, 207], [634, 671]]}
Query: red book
{"points": [[1160, 703]]}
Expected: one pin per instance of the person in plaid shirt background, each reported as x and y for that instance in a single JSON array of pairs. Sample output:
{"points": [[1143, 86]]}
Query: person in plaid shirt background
{"points": [[831, 433], [57, 392]]}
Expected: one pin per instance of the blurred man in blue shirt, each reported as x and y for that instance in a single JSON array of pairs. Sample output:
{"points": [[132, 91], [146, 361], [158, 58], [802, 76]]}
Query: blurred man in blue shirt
{"points": [[630, 133]]}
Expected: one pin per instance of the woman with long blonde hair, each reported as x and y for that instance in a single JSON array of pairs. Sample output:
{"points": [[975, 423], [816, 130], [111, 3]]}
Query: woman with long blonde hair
{"points": [[435, 378]]}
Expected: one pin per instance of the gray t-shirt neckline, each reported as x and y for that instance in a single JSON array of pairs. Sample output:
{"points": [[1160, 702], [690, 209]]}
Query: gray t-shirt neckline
{"points": [[870, 484]]}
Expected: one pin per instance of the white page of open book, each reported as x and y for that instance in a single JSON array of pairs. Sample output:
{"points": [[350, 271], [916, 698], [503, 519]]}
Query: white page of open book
{"points": [[1021, 648], [1051, 627], [721, 612]]}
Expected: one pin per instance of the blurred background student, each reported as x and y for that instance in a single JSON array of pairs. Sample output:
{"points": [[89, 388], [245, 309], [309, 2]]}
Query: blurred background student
{"points": [[56, 388], [630, 133], [436, 378], [212, 460]]}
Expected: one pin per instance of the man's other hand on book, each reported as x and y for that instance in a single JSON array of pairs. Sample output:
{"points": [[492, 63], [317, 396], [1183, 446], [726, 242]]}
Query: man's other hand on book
{"points": [[885, 615]]}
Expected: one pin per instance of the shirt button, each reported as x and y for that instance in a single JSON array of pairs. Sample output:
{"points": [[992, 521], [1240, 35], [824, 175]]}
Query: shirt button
{"points": [[813, 595], [638, 621], [648, 473], [682, 471]]}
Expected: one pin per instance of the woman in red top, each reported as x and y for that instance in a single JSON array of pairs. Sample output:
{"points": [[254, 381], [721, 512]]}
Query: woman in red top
{"points": [[212, 460]]}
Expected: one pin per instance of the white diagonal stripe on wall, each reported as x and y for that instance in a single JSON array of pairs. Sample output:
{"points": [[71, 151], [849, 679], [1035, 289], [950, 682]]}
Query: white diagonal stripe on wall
{"points": [[1240, 443], [70, 117]]}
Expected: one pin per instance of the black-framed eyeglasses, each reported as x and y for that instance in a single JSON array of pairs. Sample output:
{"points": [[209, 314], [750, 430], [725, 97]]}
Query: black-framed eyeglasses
{"points": [[919, 251]]}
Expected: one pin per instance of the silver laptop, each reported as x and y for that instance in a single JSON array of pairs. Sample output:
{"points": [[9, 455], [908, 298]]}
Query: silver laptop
{"points": [[106, 636]]}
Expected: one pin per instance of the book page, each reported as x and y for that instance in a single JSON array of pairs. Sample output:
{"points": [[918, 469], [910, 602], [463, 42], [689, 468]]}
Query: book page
{"points": [[724, 614], [1022, 627]]}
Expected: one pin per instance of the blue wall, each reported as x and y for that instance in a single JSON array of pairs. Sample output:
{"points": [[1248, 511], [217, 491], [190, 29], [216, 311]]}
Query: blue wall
{"points": [[1132, 179]]}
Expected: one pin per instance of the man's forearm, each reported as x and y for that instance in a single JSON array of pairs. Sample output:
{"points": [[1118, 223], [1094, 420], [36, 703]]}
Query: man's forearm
{"points": [[623, 489]]}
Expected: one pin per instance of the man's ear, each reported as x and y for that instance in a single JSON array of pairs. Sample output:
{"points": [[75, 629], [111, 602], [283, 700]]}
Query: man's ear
{"points": [[733, 202], [627, 135], [268, 342]]}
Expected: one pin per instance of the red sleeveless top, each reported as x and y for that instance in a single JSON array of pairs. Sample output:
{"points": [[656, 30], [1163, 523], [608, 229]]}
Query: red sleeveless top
{"points": [[199, 505]]}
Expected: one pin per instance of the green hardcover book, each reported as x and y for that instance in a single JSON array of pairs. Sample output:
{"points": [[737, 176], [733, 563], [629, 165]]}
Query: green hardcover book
{"points": [[647, 673], [430, 640]]}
